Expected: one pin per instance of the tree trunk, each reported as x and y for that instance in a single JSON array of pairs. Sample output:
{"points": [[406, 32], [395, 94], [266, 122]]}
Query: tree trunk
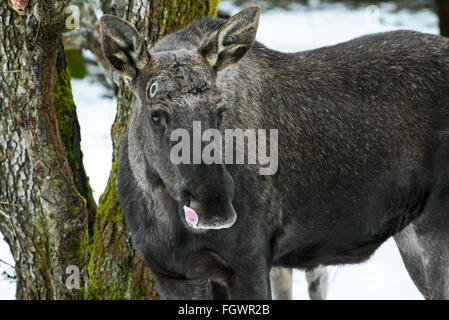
{"points": [[47, 213], [44, 216], [115, 269], [443, 15], [21, 219]]}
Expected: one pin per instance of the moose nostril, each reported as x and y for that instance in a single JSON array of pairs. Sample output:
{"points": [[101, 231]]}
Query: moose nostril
{"points": [[187, 197]]}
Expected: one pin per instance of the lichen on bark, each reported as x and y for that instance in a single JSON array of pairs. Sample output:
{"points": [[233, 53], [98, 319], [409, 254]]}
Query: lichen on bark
{"points": [[45, 220]]}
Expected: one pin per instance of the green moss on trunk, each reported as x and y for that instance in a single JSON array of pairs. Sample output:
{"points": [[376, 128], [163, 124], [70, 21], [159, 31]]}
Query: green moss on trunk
{"points": [[76, 64], [70, 132]]}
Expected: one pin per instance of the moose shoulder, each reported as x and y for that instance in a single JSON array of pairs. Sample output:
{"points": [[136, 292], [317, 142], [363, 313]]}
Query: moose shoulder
{"points": [[363, 149]]}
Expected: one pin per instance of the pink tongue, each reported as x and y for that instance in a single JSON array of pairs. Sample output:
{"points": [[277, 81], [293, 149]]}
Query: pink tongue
{"points": [[191, 216]]}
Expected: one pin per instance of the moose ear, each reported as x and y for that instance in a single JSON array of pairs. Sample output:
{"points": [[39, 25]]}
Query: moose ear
{"points": [[231, 42], [123, 46]]}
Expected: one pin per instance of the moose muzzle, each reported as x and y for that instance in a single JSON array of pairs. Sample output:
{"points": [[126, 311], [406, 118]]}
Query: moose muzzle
{"points": [[212, 216]]}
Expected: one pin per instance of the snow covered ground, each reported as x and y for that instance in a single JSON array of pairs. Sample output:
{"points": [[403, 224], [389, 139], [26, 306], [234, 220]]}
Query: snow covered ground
{"points": [[301, 28]]}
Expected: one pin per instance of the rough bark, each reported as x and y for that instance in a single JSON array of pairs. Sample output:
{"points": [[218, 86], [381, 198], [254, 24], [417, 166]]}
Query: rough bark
{"points": [[21, 219], [45, 217], [115, 269]]}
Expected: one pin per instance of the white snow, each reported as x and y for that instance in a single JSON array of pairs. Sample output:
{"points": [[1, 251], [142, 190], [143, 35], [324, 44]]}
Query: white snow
{"points": [[301, 28], [96, 116], [7, 287]]}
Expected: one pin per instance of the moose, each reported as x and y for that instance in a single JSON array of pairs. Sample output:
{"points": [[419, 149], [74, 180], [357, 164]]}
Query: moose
{"points": [[363, 129]]}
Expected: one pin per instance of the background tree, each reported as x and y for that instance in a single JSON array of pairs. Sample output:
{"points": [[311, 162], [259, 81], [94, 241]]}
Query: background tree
{"points": [[443, 16], [44, 215], [47, 213]]}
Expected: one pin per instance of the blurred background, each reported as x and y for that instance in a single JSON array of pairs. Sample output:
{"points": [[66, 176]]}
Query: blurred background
{"points": [[289, 26]]}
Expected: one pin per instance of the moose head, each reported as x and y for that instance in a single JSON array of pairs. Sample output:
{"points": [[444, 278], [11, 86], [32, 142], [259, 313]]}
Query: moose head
{"points": [[175, 86]]}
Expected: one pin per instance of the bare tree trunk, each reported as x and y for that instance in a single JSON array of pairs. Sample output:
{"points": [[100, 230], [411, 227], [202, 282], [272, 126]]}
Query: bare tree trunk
{"points": [[44, 216], [115, 270], [21, 218], [443, 15], [47, 214]]}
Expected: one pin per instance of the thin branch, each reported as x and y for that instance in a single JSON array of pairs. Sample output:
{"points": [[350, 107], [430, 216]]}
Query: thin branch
{"points": [[8, 204], [8, 264], [12, 71], [3, 213]]}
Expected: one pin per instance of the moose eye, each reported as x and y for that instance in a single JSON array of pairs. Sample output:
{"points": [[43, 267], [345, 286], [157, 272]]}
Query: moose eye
{"points": [[156, 117], [153, 89]]}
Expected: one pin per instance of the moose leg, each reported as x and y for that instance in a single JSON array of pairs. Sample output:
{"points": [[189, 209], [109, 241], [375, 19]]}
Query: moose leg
{"points": [[424, 249], [281, 283], [317, 280], [250, 287], [251, 282], [182, 289], [219, 291]]}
